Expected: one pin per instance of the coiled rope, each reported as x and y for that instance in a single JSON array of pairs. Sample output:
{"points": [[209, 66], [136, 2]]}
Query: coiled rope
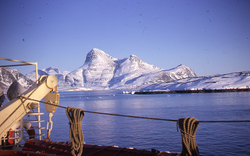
{"points": [[75, 116], [188, 127]]}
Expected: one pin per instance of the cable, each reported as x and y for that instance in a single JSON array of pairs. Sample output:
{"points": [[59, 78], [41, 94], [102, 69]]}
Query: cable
{"points": [[132, 116]]}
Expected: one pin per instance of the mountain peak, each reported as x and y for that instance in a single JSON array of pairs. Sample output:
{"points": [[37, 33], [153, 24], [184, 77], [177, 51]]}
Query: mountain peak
{"points": [[51, 69], [134, 58], [96, 51], [95, 54], [181, 66]]}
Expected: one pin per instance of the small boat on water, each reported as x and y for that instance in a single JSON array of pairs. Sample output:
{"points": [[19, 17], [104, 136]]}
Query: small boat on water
{"points": [[21, 130]]}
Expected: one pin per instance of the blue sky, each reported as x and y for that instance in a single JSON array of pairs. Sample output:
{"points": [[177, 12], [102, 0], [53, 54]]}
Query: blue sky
{"points": [[209, 36]]}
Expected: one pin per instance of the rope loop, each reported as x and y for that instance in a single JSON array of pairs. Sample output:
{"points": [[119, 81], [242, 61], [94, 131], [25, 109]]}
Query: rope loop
{"points": [[188, 128], [75, 116]]}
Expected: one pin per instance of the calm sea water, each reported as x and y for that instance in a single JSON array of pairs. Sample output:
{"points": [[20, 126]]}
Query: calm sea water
{"points": [[212, 138]]}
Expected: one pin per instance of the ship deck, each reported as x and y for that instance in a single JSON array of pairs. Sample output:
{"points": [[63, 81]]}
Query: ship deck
{"points": [[41, 148]]}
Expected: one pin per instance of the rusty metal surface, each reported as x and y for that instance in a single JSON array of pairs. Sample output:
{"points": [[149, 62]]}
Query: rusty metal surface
{"points": [[60, 148], [21, 153]]}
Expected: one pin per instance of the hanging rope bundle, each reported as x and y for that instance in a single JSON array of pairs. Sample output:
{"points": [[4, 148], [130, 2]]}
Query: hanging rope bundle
{"points": [[188, 127], [75, 116]]}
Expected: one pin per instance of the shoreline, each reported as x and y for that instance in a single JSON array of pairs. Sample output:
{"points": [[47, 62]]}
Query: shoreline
{"points": [[193, 91]]}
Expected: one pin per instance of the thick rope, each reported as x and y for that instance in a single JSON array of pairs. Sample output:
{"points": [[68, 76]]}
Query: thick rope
{"points": [[75, 116], [188, 127]]}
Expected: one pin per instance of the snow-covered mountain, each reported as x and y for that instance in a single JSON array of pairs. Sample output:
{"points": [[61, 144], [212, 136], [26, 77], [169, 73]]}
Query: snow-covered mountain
{"points": [[101, 71], [8, 75], [47, 71], [236, 80]]}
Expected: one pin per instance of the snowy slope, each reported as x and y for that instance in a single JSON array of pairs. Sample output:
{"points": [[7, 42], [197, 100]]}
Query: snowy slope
{"points": [[132, 72], [8, 76], [236, 80], [101, 71], [95, 72]]}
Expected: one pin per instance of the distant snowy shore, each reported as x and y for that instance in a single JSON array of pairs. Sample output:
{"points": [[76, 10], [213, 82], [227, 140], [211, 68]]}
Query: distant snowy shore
{"points": [[192, 91], [237, 81]]}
